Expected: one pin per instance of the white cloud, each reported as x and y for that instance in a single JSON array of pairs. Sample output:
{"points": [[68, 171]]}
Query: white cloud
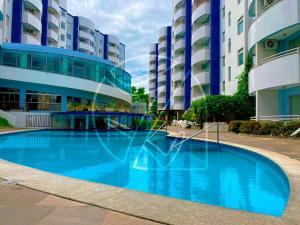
{"points": [[135, 22]]}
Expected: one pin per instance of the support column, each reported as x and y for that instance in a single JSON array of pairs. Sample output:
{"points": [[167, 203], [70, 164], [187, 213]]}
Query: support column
{"points": [[108, 123], [22, 99], [64, 103], [72, 122], [87, 122]]}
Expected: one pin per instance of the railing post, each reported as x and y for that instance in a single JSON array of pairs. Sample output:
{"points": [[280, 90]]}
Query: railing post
{"points": [[218, 132]]}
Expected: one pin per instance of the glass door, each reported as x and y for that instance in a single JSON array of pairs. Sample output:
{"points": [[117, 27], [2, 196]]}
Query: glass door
{"points": [[294, 105]]}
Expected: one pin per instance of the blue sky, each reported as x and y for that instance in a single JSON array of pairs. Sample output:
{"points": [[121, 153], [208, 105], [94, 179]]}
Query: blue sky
{"points": [[135, 22]]}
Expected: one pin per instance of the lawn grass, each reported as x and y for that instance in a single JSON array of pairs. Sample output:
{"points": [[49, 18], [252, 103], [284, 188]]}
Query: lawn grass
{"points": [[4, 123]]}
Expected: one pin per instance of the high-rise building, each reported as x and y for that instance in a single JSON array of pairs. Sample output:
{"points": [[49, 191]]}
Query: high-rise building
{"points": [[51, 60], [48, 23], [274, 44]]}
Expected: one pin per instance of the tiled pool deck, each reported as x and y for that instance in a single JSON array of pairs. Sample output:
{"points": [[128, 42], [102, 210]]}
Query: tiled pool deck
{"points": [[130, 207]]}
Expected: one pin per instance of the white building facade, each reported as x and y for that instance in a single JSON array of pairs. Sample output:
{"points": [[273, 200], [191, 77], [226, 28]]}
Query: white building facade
{"points": [[48, 23]]}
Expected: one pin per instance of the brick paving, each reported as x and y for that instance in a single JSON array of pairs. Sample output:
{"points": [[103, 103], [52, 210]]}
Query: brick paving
{"points": [[23, 206], [286, 146]]}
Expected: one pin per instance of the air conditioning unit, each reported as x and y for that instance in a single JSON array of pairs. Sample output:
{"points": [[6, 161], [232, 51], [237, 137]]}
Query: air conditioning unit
{"points": [[268, 2], [271, 44]]}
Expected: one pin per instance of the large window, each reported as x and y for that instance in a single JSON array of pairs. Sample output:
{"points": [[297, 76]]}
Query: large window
{"points": [[294, 105], [9, 99], [241, 57], [240, 26], [42, 101]]}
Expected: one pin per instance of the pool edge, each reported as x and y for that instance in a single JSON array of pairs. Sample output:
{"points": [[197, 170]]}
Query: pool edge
{"points": [[155, 208]]}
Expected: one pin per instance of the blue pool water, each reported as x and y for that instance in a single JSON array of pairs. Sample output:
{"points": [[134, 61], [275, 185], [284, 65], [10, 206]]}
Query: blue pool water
{"points": [[196, 171]]}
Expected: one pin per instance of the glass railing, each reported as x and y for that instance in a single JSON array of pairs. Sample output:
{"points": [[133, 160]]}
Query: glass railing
{"points": [[68, 65]]}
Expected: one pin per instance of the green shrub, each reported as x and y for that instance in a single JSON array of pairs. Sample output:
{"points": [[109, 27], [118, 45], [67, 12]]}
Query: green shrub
{"points": [[4, 123], [250, 127], [189, 116], [290, 127], [235, 126], [156, 124], [271, 128]]}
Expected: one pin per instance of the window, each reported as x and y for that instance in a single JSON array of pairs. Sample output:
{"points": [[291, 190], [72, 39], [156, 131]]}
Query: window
{"points": [[229, 73], [240, 25], [223, 86], [223, 12], [229, 45], [223, 36], [62, 37], [241, 57], [63, 14], [69, 26], [69, 37], [229, 19], [223, 61], [239, 1], [63, 25], [294, 105]]}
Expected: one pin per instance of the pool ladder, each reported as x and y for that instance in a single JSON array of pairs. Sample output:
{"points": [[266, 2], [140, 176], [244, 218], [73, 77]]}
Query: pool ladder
{"points": [[148, 140], [201, 131]]}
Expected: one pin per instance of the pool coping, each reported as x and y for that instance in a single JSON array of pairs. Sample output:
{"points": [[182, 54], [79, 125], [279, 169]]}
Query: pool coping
{"points": [[155, 207]]}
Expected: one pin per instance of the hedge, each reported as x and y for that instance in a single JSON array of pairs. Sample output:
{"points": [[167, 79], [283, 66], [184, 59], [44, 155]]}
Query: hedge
{"points": [[283, 129]]}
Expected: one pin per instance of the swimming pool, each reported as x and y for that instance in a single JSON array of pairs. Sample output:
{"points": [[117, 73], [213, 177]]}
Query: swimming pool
{"points": [[196, 171]]}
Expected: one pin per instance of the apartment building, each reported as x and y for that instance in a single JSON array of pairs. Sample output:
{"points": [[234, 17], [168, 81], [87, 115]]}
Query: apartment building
{"points": [[209, 49], [274, 44], [51, 60], [48, 23]]}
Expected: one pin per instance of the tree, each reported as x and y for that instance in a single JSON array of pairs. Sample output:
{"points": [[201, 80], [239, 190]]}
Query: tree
{"points": [[240, 106], [139, 95], [153, 109]]}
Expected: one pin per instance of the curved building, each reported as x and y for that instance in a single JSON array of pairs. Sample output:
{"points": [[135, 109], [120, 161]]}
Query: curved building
{"points": [[39, 78], [201, 49], [48, 23], [275, 47]]}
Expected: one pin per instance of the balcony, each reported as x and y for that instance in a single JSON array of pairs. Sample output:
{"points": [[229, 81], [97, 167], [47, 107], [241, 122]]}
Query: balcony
{"points": [[162, 78], [278, 71], [178, 76], [201, 32], [53, 4], [152, 67], [179, 29], [152, 85], [32, 21], [176, 2], [152, 58], [203, 9], [30, 40], [178, 106], [36, 4], [180, 13], [201, 55], [113, 39], [200, 78], [179, 44], [86, 35], [161, 89], [113, 59], [85, 46], [152, 94], [161, 100], [179, 60], [113, 50], [162, 67], [178, 91], [53, 35], [53, 20], [287, 13], [162, 45]]}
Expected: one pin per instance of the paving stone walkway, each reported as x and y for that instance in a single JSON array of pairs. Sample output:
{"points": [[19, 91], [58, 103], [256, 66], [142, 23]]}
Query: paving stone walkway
{"points": [[23, 206], [289, 147]]}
